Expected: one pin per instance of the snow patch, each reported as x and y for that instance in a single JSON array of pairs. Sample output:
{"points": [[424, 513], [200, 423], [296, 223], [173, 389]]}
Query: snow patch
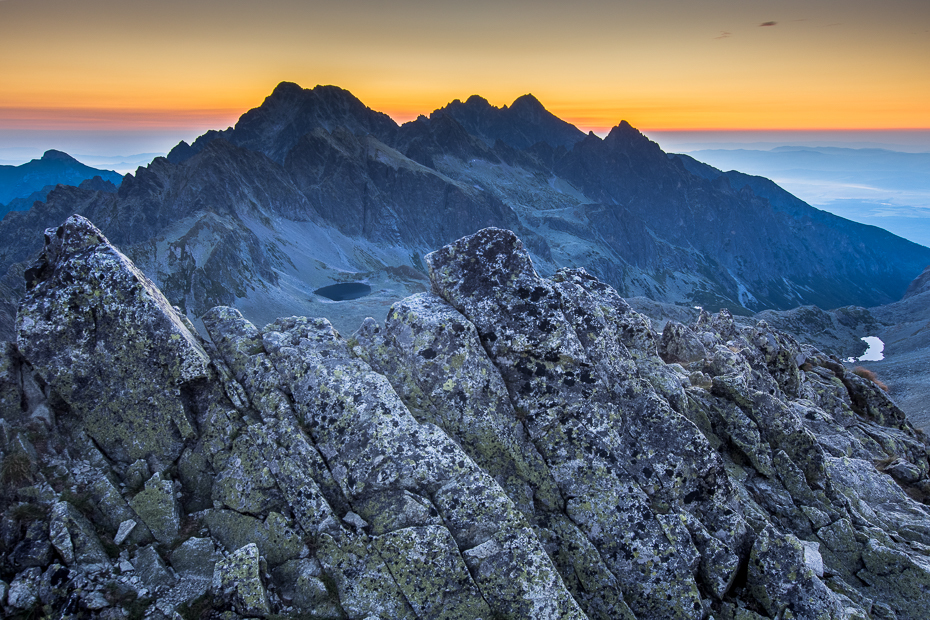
{"points": [[873, 354], [875, 351]]}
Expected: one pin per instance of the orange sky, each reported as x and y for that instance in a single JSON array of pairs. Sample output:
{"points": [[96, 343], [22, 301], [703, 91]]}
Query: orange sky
{"points": [[666, 64]]}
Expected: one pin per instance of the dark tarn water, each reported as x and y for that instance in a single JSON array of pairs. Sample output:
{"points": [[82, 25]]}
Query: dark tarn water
{"points": [[344, 292]]}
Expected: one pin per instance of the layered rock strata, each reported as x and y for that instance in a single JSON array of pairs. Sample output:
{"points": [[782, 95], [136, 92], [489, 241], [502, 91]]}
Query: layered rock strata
{"points": [[504, 446]]}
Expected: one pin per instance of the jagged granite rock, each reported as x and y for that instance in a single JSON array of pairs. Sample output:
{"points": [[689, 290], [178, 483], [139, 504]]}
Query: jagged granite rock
{"points": [[74, 537], [301, 583], [151, 568], [157, 505], [195, 557], [504, 446], [24, 590], [91, 325], [238, 577]]}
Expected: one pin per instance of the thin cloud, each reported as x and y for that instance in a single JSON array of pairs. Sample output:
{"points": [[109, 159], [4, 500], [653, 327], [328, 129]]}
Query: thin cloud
{"points": [[723, 33], [763, 24]]}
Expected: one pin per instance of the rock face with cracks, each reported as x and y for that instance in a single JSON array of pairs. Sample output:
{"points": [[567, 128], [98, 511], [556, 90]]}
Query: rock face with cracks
{"points": [[503, 446]]}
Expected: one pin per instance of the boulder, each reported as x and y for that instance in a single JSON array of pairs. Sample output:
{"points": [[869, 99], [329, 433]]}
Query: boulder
{"points": [[238, 579], [157, 506], [104, 337]]}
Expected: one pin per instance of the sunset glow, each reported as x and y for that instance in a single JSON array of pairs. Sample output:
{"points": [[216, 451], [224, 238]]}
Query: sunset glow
{"points": [[672, 65]]}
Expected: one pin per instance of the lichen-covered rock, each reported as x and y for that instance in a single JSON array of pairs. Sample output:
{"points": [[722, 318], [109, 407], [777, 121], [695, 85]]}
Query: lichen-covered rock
{"points": [[434, 359], [244, 483], [276, 540], [24, 589], [195, 557], [506, 446], [427, 566], [562, 351], [301, 582], [238, 578], [34, 549], [372, 443], [361, 578], [897, 577], [74, 537], [157, 505], [110, 345], [784, 584], [151, 568], [114, 511], [679, 344]]}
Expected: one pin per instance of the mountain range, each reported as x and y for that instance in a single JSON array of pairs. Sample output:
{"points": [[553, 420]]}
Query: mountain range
{"points": [[313, 188]]}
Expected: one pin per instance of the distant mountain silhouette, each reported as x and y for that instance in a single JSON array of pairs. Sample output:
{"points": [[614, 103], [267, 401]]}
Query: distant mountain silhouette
{"points": [[55, 167], [312, 187]]}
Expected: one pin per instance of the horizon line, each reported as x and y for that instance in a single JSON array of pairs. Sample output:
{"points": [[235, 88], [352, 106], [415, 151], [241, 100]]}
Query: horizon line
{"points": [[24, 118]]}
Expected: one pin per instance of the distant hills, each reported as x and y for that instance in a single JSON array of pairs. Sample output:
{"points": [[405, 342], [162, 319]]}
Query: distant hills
{"points": [[22, 185], [312, 187]]}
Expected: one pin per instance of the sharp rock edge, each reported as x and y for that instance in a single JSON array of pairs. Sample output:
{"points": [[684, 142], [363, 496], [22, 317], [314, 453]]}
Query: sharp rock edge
{"points": [[503, 446]]}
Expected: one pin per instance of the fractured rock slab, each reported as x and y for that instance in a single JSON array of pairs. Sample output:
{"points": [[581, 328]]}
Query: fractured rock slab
{"points": [[104, 337]]}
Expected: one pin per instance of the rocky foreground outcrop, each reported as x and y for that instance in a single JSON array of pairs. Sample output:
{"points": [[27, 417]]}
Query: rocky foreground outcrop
{"points": [[505, 446]]}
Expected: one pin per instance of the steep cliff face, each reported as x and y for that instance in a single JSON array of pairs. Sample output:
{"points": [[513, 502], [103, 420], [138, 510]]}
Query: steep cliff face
{"points": [[503, 446]]}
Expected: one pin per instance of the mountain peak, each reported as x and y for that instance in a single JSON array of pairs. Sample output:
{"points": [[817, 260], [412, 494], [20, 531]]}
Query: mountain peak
{"points": [[624, 133], [478, 101], [527, 102], [53, 155], [624, 128], [294, 97], [289, 112], [525, 123], [285, 90]]}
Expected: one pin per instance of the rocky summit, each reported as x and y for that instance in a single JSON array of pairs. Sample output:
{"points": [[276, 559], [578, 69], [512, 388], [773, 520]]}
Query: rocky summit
{"points": [[502, 446]]}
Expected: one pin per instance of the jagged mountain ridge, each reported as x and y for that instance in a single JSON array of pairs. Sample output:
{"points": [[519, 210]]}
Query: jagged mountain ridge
{"points": [[312, 187], [505, 446], [521, 125]]}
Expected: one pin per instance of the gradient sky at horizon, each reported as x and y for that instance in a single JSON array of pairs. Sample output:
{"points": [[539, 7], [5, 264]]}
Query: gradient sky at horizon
{"points": [[188, 65]]}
